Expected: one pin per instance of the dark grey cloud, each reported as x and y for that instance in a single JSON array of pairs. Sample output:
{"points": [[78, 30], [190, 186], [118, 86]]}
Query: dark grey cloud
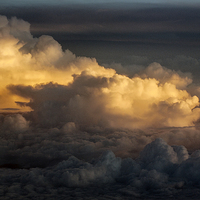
{"points": [[10, 109], [56, 164], [157, 24]]}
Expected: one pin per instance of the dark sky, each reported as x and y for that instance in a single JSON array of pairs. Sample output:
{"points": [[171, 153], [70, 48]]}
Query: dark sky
{"points": [[155, 23]]}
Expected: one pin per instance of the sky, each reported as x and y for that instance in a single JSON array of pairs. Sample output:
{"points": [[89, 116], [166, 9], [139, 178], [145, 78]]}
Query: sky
{"points": [[143, 21], [99, 100], [68, 2]]}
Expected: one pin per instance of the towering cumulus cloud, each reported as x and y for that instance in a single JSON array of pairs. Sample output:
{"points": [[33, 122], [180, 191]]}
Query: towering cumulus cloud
{"points": [[82, 124], [66, 88]]}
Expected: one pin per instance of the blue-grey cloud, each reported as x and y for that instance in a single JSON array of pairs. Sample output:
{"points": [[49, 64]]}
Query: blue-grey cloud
{"points": [[158, 24]]}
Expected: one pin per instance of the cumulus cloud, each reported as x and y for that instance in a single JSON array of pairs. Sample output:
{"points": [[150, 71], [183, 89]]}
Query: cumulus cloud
{"points": [[179, 79], [163, 174], [27, 60], [116, 101], [85, 93], [15, 122], [88, 125]]}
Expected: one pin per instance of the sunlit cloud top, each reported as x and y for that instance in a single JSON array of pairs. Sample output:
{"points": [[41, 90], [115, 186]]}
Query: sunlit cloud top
{"points": [[37, 74]]}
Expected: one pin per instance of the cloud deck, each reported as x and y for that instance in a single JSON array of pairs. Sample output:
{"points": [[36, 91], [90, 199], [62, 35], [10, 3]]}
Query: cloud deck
{"points": [[88, 126]]}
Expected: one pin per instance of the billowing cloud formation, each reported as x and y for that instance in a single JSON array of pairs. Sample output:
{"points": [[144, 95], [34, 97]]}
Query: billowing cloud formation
{"points": [[27, 60], [39, 162], [163, 75], [90, 126], [84, 92], [115, 101]]}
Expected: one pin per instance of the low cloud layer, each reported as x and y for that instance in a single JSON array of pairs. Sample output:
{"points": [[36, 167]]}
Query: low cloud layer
{"points": [[88, 125], [66, 162]]}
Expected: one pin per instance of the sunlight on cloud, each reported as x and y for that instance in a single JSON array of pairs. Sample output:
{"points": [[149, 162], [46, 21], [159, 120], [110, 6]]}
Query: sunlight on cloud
{"points": [[92, 94], [88, 123]]}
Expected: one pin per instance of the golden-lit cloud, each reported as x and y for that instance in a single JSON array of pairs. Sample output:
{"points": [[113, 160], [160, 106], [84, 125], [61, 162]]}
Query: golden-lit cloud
{"points": [[78, 89], [29, 61]]}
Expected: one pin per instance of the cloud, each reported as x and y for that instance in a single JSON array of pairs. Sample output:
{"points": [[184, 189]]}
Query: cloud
{"points": [[70, 94], [28, 60], [89, 126], [64, 88], [120, 18], [116, 101], [163, 174], [16, 123], [179, 79]]}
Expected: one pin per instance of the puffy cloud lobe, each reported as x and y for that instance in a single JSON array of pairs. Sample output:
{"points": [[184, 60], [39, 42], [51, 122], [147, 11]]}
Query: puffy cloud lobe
{"points": [[74, 172], [46, 51], [158, 155], [69, 127], [16, 123], [163, 75], [15, 27]]}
